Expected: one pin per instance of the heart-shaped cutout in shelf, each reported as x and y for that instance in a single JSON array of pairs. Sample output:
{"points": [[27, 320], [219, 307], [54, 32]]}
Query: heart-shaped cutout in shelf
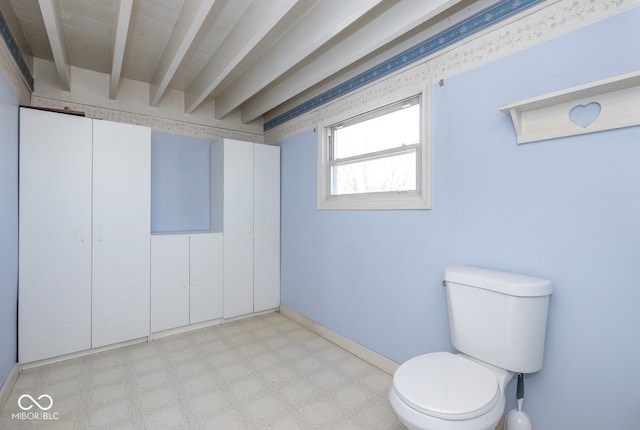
{"points": [[597, 106], [585, 115]]}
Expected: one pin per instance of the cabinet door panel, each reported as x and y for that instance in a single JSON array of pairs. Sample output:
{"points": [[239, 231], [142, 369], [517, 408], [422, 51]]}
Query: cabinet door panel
{"points": [[238, 228], [121, 229], [169, 282], [55, 235], [266, 242], [206, 265]]}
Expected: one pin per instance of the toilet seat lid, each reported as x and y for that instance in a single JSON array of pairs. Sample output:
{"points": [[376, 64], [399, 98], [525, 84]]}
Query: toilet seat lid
{"points": [[445, 385]]}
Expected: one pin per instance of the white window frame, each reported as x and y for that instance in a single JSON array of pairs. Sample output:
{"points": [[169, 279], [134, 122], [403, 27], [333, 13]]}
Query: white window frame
{"points": [[415, 199]]}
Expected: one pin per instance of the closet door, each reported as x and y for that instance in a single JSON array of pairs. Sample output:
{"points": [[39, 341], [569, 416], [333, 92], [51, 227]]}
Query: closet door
{"points": [[55, 235], [206, 265], [169, 281], [121, 231], [238, 228], [266, 215]]}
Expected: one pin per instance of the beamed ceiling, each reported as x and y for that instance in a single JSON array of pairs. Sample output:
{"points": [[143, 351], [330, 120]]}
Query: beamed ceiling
{"points": [[246, 55]]}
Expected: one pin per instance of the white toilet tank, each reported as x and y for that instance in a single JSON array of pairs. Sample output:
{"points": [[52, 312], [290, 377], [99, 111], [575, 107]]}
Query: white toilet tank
{"points": [[497, 317]]}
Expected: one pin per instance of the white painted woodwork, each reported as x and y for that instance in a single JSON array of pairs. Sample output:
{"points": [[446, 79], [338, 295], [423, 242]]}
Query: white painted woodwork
{"points": [[333, 15], [216, 185], [90, 93], [266, 219], [380, 361], [235, 270], [206, 277], [549, 116], [121, 30], [418, 199], [169, 281], [55, 33], [186, 279], [238, 228], [150, 29], [54, 315], [217, 63], [121, 225], [222, 19], [251, 200], [259, 18], [84, 228], [192, 16], [382, 28], [295, 78]]}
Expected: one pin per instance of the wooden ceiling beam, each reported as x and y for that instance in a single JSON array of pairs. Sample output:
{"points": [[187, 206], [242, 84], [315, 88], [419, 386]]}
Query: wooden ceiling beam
{"points": [[50, 10], [257, 21], [388, 25], [319, 25], [192, 16], [123, 19]]}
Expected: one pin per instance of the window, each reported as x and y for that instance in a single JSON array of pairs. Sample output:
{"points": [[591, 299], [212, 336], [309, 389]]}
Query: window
{"points": [[376, 159]]}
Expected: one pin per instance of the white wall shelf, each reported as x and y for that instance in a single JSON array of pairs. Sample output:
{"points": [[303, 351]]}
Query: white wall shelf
{"points": [[597, 106]]}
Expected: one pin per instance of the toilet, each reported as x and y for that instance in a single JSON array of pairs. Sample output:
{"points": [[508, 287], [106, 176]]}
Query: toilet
{"points": [[497, 323]]}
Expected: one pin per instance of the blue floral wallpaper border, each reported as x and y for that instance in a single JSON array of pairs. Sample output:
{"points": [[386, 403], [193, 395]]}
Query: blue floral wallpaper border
{"points": [[489, 16], [15, 52]]}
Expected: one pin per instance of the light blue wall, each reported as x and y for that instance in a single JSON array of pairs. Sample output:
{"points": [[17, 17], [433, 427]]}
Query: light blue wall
{"points": [[8, 227], [180, 195], [565, 209]]}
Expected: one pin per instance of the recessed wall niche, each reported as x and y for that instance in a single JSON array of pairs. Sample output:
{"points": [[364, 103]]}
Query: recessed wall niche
{"points": [[181, 184]]}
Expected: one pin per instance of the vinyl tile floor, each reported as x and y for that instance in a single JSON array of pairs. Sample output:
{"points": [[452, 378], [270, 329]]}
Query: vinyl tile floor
{"points": [[263, 372]]}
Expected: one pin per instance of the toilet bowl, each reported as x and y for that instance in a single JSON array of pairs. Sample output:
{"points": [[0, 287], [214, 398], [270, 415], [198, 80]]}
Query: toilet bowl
{"points": [[444, 391], [497, 322]]}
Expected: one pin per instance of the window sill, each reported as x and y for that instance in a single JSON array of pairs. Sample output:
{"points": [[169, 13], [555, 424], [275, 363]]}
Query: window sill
{"points": [[380, 201]]}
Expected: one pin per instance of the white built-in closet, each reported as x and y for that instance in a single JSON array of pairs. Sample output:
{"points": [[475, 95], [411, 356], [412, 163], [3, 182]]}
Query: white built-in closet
{"points": [[84, 233], [93, 274], [243, 244], [251, 225]]}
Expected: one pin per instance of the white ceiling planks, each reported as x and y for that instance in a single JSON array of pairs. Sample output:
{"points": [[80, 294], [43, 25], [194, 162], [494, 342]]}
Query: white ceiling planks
{"points": [[257, 21], [320, 24], [192, 16], [88, 31], [387, 25], [250, 58], [30, 24], [152, 22], [223, 18]]}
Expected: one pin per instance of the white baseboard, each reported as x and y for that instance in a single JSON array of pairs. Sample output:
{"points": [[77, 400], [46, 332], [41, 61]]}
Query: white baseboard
{"points": [[149, 338], [184, 329], [252, 314], [5, 391], [45, 361], [205, 324], [381, 362]]}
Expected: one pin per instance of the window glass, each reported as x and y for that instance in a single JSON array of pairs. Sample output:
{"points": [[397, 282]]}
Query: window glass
{"points": [[390, 129], [392, 173], [377, 159]]}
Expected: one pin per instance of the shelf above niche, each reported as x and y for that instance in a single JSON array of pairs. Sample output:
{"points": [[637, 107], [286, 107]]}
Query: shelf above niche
{"points": [[597, 106]]}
